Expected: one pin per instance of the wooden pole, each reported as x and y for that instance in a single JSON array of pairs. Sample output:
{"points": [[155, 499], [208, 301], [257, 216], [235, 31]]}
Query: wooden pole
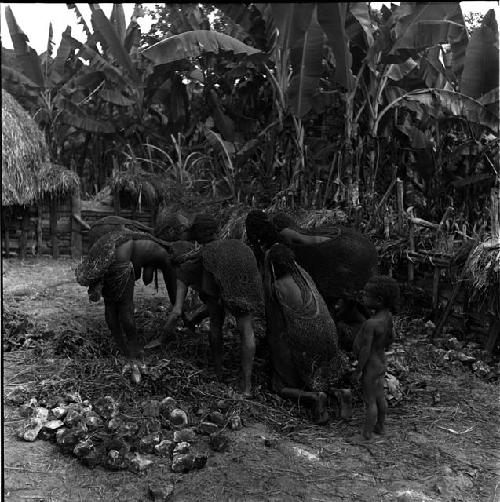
{"points": [[5, 224], [5, 228], [39, 233], [440, 325], [435, 287], [493, 334], [53, 227], [399, 196], [24, 233], [76, 228]]}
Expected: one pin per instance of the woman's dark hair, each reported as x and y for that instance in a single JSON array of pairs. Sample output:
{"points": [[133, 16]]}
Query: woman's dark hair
{"points": [[282, 220], [259, 230], [204, 228], [282, 259]]}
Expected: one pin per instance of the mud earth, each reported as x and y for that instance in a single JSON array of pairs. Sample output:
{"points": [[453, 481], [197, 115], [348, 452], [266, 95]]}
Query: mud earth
{"points": [[446, 451]]}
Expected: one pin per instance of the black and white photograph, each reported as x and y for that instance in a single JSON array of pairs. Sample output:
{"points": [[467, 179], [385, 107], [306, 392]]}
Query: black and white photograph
{"points": [[250, 252]]}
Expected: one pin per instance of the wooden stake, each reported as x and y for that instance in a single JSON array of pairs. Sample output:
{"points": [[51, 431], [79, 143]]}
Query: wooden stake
{"points": [[435, 287], [24, 233], [456, 289], [493, 334], [5, 225], [53, 228], [76, 228], [39, 233]]}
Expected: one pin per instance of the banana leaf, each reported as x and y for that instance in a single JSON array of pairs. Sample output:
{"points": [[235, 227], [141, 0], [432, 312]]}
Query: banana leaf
{"points": [[360, 14], [434, 74], [307, 69], [192, 44], [490, 100], [98, 63], [115, 97], [429, 24], [26, 57], [19, 78], [480, 73], [418, 139], [397, 72], [63, 52], [88, 124], [178, 105], [224, 124], [81, 21], [249, 18], [117, 21], [106, 31], [292, 21], [441, 103], [331, 17]]}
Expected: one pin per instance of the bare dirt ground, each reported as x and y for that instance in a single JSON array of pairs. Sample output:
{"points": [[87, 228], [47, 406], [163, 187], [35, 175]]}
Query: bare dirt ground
{"points": [[435, 449]]}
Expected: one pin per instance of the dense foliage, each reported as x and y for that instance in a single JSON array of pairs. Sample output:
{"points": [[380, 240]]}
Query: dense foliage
{"points": [[312, 104]]}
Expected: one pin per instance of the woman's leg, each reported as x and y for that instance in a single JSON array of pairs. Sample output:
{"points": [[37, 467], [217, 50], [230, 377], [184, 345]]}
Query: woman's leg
{"points": [[317, 401], [216, 313], [247, 335]]}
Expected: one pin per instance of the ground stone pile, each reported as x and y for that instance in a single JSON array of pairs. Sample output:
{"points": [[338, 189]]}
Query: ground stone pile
{"points": [[99, 434]]}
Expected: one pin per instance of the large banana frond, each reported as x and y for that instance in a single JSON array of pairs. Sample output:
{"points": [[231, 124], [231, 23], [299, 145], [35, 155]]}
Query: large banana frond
{"points": [[480, 73], [306, 62], [442, 103], [26, 56], [192, 44], [107, 33]]}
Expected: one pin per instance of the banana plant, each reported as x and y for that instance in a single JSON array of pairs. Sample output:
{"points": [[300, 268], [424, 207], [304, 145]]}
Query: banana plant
{"points": [[44, 85]]}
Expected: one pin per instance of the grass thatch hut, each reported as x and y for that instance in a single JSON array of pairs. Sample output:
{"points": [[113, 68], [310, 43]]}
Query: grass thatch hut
{"points": [[24, 150], [29, 179]]}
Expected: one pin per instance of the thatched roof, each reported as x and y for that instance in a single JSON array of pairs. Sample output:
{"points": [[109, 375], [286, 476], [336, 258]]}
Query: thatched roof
{"points": [[27, 172], [56, 179], [140, 184]]}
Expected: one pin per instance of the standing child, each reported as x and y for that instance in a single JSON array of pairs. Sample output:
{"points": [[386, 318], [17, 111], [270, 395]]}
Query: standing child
{"points": [[370, 344]]}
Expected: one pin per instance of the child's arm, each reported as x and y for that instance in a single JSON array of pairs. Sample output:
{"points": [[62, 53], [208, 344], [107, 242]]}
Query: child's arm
{"points": [[364, 348]]}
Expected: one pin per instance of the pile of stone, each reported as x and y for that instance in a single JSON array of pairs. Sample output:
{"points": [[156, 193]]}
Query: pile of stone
{"points": [[468, 354], [98, 434]]}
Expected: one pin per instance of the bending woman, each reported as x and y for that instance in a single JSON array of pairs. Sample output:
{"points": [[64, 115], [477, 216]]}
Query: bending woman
{"points": [[306, 360]]}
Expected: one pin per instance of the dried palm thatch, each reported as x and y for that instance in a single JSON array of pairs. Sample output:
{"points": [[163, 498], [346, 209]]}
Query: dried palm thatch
{"points": [[23, 151], [140, 184], [57, 180], [482, 275], [27, 173]]}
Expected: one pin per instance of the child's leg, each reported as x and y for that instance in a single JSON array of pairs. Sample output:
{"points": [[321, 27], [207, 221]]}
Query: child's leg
{"points": [[370, 398], [381, 406]]}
